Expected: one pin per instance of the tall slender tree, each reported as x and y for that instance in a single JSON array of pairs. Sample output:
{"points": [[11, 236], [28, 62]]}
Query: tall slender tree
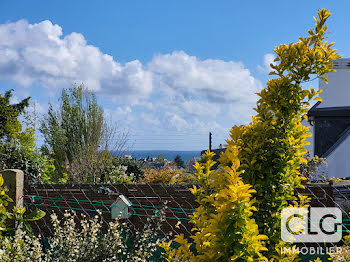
{"points": [[77, 136]]}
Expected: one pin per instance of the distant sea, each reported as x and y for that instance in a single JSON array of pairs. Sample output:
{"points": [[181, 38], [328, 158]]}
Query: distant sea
{"points": [[168, 154]]}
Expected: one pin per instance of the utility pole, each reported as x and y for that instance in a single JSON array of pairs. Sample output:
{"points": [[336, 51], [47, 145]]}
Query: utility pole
{"points": [[210, 141]]}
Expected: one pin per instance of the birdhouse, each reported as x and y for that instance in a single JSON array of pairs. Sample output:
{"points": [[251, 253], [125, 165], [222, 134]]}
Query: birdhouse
{"points": [[121, 208]]}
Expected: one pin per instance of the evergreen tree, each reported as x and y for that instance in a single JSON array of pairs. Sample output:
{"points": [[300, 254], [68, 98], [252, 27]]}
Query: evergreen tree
{"points": [[179, 162], [10, 127]]}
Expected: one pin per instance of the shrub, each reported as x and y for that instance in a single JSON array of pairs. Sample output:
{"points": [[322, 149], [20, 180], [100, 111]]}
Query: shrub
{"points": [[271, 147], [168, 177], [134, 167], [21, 248], [83, 242], [261, 163], [37, 166], [16, 242], [16, 219], [224, 229], [342, 253], [117, 174]]}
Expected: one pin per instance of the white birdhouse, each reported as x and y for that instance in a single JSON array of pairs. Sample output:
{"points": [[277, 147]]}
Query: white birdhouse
{"points": [[121, 208]]}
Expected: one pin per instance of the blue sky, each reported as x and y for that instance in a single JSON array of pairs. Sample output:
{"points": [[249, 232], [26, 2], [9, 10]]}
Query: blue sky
{"points": [[168, 72]]}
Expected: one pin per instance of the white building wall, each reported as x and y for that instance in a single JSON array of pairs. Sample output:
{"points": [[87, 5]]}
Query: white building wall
{"points": [[338, 161], [337, 92]]}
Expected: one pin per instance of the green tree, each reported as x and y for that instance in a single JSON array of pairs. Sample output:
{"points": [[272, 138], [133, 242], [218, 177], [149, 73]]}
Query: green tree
{"points": [[160, 159], [179, 162], [10, 127], [17, 148], [77, 136]]}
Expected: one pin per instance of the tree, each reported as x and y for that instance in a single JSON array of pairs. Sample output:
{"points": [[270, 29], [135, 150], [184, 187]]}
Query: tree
{"points": [[240, 203], [271, 147], [78, 137], [160, 159], [10, 127], [179, 162]]}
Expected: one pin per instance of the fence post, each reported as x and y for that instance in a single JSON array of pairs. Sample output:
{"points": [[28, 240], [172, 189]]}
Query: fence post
{"points": [[14, 180]]}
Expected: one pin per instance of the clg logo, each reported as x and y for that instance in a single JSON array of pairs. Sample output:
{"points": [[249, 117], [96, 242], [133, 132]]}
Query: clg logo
{"points": [[320, 225]]}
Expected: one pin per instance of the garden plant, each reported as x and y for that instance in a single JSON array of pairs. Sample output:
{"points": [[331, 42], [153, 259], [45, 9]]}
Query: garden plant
{"points": [[240, 203]]}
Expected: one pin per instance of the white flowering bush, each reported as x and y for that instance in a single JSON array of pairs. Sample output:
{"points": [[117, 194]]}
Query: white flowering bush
{"points": [[73, 242], [21, 248], [117, 174], [342, 254]]}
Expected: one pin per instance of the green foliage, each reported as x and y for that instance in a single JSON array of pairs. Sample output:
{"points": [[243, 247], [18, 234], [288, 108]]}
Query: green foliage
{"points": [[160, 159], [271, 147], [48, 174], [20, 152], [75, 136], [17, 218], [13, 226], [22, 247], [179, 162], [9, 124], [15, 231], [134, 167], [22, 221], [12, 156], [224, 228]]}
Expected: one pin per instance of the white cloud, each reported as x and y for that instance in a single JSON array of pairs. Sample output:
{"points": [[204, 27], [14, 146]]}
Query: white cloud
{"points": [[176, 121], [240, 113], [38, 108], [174, 91], [32, 53], [268, 59], [123, 111], [217, 80], [200, 108], [150, 119]]}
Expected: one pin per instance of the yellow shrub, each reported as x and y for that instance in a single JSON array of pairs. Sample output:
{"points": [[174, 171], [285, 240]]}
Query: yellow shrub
{"points": [[262, 160], [168, 177], [224, 229], [271, 147]]}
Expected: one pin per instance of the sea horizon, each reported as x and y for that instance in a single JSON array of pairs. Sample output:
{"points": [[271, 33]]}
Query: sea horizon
{"points": [[168, 154]]}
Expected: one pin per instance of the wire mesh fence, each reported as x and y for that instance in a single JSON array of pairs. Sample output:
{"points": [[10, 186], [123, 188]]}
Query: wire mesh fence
{"points": [[139, 204], [331, 204], [135, 204]]}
